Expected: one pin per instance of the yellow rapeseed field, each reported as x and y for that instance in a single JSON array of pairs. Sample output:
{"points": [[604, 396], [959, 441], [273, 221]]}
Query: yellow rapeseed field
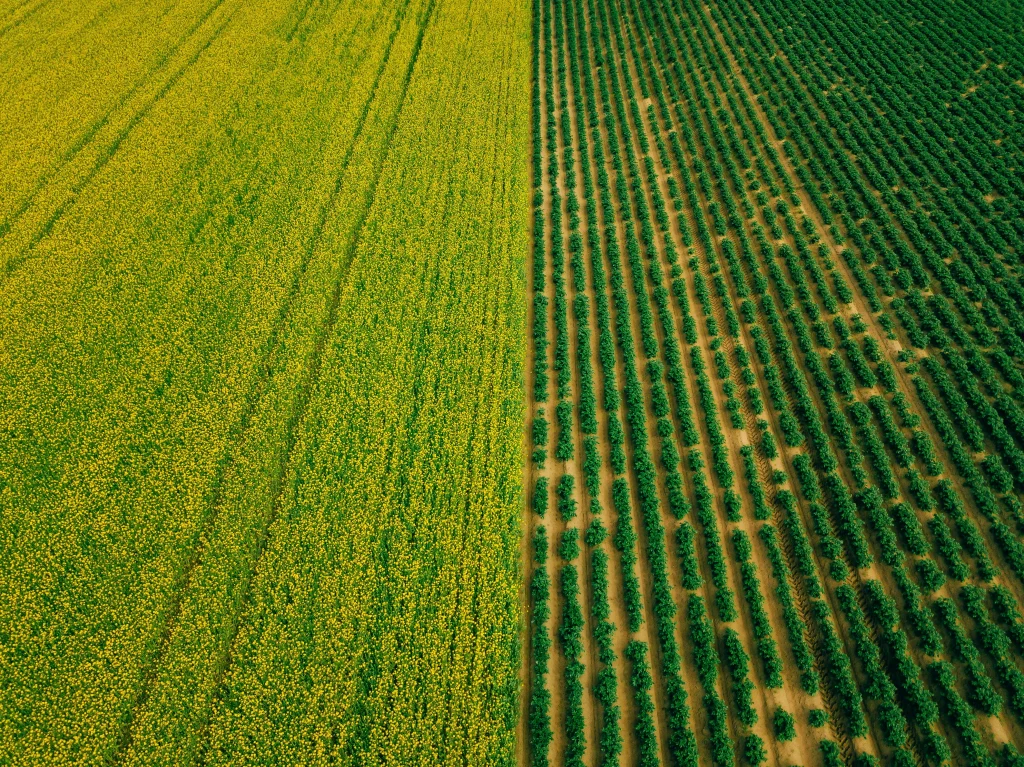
{"points": [[261, 399]]}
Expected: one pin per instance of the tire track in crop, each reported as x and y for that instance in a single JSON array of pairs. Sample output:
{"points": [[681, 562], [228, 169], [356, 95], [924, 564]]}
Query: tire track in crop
{"points": [[90, 133], [487, 360], [300, 20], [251, 403], [316, 362], [17, 21], [380, 676], [106, 154], [13, 8]]}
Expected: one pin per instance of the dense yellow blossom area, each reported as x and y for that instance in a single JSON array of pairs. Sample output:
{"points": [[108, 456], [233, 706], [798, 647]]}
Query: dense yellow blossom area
{"points": [[261, 347]]}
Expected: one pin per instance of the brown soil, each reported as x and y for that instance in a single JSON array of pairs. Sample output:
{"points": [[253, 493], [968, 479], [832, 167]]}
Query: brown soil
{"points": [[574, 465], [616, 594], [807, 748], [646, 633]]}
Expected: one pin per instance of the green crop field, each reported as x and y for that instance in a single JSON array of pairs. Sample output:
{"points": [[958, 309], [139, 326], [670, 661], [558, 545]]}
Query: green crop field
{"points": [[553, 383], [776, 384]]}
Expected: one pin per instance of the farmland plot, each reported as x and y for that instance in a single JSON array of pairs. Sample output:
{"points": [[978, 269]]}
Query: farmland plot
{"points": [[776, 385], [261, 346], [311, 454]]}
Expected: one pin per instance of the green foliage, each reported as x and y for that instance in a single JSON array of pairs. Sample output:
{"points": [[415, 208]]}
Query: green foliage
{"points": [[784, 725], [566, 500]]}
